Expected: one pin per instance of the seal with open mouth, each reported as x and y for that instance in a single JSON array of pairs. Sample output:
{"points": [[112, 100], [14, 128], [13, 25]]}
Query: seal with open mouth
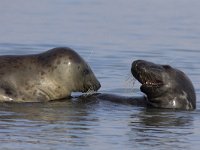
{"points": [[164, 86]]}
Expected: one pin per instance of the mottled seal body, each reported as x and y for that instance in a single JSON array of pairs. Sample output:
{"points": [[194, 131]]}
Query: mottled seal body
{"points": [[164, 86], [47, 76]]}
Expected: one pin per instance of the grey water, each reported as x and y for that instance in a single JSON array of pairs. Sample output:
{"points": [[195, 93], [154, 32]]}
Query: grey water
{"points": [[109, 35]]}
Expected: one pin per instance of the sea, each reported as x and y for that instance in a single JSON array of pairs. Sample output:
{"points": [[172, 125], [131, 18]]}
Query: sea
{"points": [[109, 35]]}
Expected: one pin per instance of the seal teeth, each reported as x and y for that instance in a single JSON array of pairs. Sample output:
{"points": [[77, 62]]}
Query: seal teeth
{"points": [[149, 83]]}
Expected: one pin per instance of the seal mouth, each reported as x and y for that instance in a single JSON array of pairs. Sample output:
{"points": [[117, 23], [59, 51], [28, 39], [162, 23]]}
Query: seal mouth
{"points": [[147, 79], [91, 88], [151, 84]]}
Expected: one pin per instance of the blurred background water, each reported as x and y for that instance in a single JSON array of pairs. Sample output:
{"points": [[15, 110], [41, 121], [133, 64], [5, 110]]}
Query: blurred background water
{"points": [[109, 35]]}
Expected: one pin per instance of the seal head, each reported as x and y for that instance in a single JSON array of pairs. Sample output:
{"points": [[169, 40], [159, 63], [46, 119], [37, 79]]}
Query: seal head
{"points": [[165, 86], [70, 68]]}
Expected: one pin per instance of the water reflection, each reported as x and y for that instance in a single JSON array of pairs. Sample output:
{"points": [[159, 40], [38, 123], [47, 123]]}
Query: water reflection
{"points": [[74, 121], [161, 128], [39, 123], [47, 111]]}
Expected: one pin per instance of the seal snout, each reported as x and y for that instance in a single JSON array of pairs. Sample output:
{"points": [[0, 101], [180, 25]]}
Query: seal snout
{"points": [[96, 86], [135, 65], [91, 86], [138, 66], [138, 69]]}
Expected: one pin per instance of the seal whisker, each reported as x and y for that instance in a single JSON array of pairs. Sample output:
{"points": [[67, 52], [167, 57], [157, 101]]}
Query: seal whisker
{"points": [[129, 82], [90, 91]]}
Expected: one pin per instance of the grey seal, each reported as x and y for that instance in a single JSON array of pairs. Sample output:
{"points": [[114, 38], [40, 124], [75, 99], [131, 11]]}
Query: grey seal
{"points": [[163, 86], [47, 76]]}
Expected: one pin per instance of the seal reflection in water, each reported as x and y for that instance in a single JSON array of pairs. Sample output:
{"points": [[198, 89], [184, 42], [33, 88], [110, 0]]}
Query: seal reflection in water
{"points": [[163, 85], [51, 75]]}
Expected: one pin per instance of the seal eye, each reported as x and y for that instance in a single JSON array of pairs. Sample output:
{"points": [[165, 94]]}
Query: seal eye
{"points": [[166, 66], [86, 71]]}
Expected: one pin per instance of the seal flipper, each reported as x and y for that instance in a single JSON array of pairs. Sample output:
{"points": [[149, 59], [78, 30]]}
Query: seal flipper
{"points": [[137, 101]]}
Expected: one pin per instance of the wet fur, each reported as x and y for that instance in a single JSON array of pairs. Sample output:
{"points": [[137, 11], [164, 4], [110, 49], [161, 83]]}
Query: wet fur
{"points": [[50, 75]]}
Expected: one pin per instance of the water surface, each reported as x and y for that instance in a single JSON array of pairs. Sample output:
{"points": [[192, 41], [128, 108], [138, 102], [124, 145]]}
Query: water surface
{"points": [[109, 35]]}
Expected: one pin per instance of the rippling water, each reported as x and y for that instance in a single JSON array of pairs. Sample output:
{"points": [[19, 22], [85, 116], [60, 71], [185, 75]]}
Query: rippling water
{"points": [[109, 35]]}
